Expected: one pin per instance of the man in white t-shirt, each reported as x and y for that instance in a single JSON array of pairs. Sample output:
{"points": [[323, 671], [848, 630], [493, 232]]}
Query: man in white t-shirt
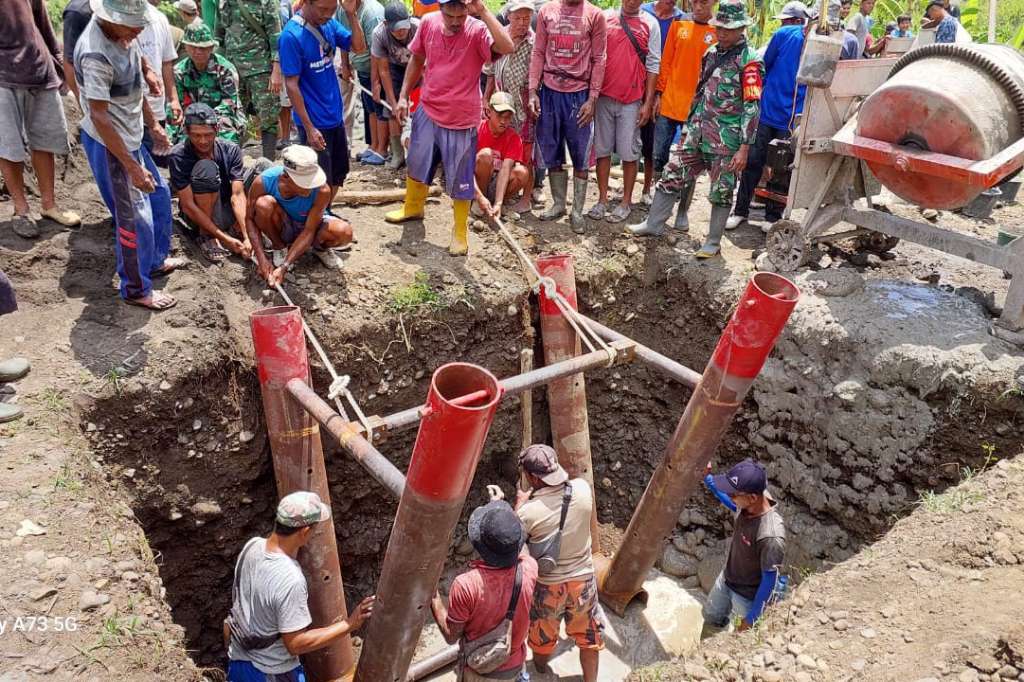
{"points": [[158, 49], [268, 627]]}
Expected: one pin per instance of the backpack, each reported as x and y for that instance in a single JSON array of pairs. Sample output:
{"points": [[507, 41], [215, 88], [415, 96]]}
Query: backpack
{"points": [[490, 651]]}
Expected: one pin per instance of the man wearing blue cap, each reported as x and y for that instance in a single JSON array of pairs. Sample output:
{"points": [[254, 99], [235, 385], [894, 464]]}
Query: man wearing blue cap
{"points": [[750, 577]]}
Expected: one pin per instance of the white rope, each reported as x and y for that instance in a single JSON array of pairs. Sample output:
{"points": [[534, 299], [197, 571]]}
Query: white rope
{"points": [[339, 383], [537, 282]]}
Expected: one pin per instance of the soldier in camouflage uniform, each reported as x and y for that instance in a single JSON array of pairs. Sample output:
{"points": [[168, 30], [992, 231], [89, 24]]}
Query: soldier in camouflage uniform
{"points": [[247, 31], [722, 125], [208, 78]]}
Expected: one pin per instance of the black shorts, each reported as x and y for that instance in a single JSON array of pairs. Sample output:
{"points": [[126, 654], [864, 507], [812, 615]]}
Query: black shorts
{"points": [[333, 158], [647, 139]]}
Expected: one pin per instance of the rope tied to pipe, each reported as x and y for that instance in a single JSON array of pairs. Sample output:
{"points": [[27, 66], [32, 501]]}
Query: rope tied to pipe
{"points": [[538, 282]]}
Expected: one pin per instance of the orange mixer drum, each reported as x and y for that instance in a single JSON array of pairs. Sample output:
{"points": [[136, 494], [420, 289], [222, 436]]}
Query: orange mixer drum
{"points": [[963, 100]]}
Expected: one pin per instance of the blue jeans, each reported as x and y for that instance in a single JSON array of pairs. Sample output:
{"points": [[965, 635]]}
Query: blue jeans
{"points": [[724, 604], [665, 132], [142, 222], [244, 671]]}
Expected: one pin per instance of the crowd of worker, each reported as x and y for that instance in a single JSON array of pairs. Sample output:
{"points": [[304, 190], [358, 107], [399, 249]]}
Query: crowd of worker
{"points": [[495, 101], [535, 575]]}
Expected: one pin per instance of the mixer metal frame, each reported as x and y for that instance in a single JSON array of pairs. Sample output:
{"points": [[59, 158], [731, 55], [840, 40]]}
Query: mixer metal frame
{"points": [[831, 184]]}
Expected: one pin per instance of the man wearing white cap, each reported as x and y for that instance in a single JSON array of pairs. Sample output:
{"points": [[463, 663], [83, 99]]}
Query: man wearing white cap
{"points": [[108, 68], [268, 626], [288, 205], [187, 10]]}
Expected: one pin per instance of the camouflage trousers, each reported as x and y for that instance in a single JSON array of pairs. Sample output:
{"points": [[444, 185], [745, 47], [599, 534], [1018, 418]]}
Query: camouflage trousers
{"points": [[686, 164], [258, 100]]}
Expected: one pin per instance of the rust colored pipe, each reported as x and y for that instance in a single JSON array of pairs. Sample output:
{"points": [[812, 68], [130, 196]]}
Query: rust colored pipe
{"points": [[433, 663], [443, 463], [741, 352], [349, 437], [567, 398], [298, 458]]}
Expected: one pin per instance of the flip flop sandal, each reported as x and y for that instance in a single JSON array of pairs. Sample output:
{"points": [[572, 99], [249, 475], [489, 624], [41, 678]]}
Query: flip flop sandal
{"points": [[64, 218], [620, 213], [169, 266], [213, 251], [598, 212], [157, 300], [24, 227]]}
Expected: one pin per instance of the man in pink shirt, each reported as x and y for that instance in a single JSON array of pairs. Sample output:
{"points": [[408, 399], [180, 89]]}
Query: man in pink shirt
{"points": [[566, 75], [626, 101], [449, 51], [481, 597]]}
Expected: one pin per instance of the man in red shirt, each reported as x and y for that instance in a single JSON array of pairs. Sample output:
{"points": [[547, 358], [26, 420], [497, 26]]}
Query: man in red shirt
{"points": [[449, 52], [500, 167], [480, 597], [566, 75], [626, 101]]}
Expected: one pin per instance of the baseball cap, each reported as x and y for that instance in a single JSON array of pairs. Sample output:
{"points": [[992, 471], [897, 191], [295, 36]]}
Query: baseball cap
{"points": [[300, 163], [396, 16], [541, 461], [496, 533], [186, 6], [748, 477], [519, 4], [200, 114], [502, 101], [793, 10], [301, 509]]}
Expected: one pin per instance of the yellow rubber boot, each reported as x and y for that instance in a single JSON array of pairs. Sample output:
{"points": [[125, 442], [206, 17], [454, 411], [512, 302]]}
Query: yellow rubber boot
{"points": [[460, 239], [415, 198]]}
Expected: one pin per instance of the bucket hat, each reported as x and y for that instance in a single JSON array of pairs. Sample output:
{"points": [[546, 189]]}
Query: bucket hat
{"points": [[731, 14], [122, 12], [496, 533], [198, 34]]}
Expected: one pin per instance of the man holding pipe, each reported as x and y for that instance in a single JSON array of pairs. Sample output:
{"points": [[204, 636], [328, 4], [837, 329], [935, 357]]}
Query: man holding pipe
{"points": [[269, 624]]}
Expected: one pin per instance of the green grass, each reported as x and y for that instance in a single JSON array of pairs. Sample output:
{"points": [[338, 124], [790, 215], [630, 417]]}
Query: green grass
{"points": [[417, 294], [954, 499], [66, 480]]}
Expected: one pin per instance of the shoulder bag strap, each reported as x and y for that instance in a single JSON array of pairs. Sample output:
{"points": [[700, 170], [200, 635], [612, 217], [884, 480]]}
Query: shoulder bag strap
{"points": [[238, 566], [642, 54], [705, 76], [566, 499], [325, 46], [516, 589]]}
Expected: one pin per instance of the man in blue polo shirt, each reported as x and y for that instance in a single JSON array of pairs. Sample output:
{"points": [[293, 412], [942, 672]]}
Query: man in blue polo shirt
{"points": [[306, 48], [781, 101]]}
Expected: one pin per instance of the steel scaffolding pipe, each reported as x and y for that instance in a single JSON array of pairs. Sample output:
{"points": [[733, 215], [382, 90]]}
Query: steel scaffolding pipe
{"points": [[663, 364], [567, 398], [349, 437], [741, 352], [520, 383], [298, 458], [443, 463]]}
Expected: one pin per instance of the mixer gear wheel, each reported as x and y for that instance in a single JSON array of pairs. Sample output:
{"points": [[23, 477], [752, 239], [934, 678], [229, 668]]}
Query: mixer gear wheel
{"points": [[787, 248]]}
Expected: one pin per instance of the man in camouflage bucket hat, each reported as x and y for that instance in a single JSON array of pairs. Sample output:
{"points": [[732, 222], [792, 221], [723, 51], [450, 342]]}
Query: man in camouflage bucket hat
{"points": [[722, 126], [269, 623], [208, 78], [247, 31]]}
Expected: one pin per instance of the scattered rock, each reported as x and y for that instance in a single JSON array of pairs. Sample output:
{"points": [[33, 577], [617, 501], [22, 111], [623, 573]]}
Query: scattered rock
{"points": [[130, 577], [868, 633], [678, 564], [794, 648], [968, 675], [91, 600], [984, 661], [632, 249], [206, 508], [42, 592], [841, 625], [246, 436], [165, 385], [771, 676], [806, 661], [858, 664], [35, 557], [693, 671], [1007, 672], [29, 527]]}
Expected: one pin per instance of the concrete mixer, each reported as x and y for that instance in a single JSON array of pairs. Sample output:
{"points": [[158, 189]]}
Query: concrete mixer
{"points": [[936, 126]]}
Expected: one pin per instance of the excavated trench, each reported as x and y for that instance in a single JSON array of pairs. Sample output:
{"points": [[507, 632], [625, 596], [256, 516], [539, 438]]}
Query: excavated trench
{"points": [[196, 461]]}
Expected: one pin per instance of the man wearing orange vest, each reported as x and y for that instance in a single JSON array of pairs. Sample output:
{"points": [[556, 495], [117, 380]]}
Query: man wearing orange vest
{"points": [[687, 41]]}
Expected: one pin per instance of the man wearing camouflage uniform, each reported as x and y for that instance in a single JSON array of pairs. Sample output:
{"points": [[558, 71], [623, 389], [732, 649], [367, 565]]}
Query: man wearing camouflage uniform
{"points": [[208, 78], [722, 126], [247, 31]]}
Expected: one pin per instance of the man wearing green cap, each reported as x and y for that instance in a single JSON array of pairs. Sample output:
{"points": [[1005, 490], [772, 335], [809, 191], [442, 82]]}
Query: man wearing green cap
{"points": [[208, 78], [722, 126], [247, 31]]}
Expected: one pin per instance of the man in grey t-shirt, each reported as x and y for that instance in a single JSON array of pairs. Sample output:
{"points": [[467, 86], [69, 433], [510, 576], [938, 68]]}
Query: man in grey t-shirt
{"points": [[751, 577], [268, 627]]}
